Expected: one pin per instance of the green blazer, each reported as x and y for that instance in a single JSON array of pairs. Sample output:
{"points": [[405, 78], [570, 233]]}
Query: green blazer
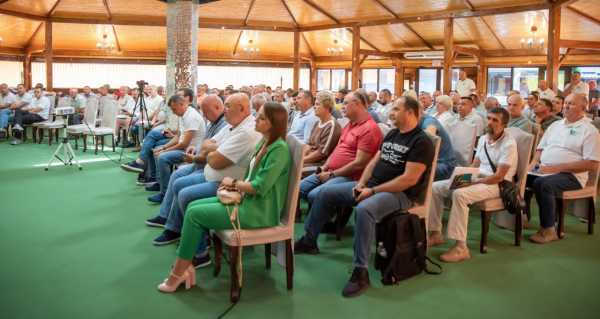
{"points": [[270, 182]]}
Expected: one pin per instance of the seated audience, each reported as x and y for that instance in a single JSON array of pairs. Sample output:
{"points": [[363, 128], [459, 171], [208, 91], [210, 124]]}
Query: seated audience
{"points": [[86, 94], [544, 91], [6, 100], [37, 111], [446, 158], [427, 102], [490, 103], [358, 143], [467, 113], [543, 114], [394, 179], [78, 104], [576, 86], [257, 101], [373, 106], [191, 131], [304, 117], [265, 188], [385, 105], [532, 100], [502, 150], [325, 133], [567, 151], [557, 105], [515, 109], [444, 111]]}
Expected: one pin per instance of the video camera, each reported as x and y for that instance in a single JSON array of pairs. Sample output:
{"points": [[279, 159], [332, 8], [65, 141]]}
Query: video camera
{"points": [[64, 111], [141, 84]]}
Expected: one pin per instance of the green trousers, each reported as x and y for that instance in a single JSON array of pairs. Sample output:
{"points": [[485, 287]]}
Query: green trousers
{"points": [[201, 216]]}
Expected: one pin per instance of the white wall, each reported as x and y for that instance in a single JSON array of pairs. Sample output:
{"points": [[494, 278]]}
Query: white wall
{"points": [[11, 72]]}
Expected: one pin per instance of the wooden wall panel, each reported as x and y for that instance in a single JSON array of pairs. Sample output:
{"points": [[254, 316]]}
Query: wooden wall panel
{"points": [[411, 7], [15, 32], [576, 27], [36, 7], [225, 9], [81, 9], [356, 10], [138, 8], [305, 14], [77, 36], [142, 38], [510, 28]]}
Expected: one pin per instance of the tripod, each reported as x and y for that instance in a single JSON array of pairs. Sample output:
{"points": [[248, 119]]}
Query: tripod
{"points": [[140, 104], [65, 146]]}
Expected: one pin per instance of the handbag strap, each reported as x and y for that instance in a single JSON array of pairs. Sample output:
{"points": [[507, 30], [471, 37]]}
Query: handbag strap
{"points": [[488, 157]]}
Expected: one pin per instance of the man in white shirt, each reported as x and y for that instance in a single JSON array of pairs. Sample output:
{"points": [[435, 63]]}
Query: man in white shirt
{"points": [[466, 113], [191, 131], [464, 85], [427, 102], [6, 100], [544, 91], [502, 150], [304, 117], [227, 154], [86, 94], [77, 102], [385, 105], [577, 86], [569, 149], [37, 111]]}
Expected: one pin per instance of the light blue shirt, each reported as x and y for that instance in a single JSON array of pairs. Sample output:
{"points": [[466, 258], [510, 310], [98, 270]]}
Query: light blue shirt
{"points": [[43, 103], [303, 124]]}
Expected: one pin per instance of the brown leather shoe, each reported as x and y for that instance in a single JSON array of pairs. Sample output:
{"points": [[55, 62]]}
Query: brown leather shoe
{"points": [[435, 240], [544, 236], [456, 254]]}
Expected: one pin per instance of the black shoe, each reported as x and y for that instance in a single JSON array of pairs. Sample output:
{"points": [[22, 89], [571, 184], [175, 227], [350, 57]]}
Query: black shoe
{"points": [[201, 262], [153, 188], [358, 283], [156, 222], [133, 166], [304, 246], [167, 237]]}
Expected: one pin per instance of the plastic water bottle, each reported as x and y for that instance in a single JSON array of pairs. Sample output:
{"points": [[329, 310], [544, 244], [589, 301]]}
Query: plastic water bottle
{"points": [[381, 250]]}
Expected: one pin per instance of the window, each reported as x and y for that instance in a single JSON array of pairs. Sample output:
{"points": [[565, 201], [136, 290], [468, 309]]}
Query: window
{"points": [[337, 79], [499, 83], [525, 80], [427, 80], [589, 73], [323, 80], [349, 84], [12, 72], [387, 78], [369, 79]]}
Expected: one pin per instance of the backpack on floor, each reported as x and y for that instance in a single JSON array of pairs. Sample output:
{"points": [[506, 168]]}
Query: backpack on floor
{"points": [[401, 246]]}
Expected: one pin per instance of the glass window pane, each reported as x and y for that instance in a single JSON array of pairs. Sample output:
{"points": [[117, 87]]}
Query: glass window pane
{"points": [[525, 80], [427, 80], [12, 72], [499, 83], [323, 79], [369, 79], [561, 79], [337, 79], [349, 84], [387, 78], [589, 73]]}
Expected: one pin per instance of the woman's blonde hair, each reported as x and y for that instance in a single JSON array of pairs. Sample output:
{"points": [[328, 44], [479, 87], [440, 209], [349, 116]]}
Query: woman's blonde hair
{"points": [[327, 99]]}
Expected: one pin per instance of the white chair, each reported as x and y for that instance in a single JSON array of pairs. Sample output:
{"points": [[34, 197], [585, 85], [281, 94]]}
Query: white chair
{"points": [[284, 232], [52, 126], [463, 137], [589, 192], [109, 123], [89, 122], [384, 128], [422, 209], [495, 205]]}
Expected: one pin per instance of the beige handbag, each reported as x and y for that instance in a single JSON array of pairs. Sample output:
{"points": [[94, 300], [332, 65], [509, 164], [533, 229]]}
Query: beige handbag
{"points": [[228, 198]]}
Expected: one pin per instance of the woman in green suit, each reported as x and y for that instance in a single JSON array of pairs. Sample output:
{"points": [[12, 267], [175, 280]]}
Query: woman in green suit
{"points": [[264, 188]]}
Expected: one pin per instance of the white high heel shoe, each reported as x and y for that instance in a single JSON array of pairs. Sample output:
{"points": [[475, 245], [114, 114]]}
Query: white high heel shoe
{"points": [[188, 276]]}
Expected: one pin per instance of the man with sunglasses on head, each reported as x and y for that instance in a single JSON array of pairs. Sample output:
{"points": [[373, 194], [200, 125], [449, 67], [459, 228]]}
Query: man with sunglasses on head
{"points": [[358, 143], [495, 149]]}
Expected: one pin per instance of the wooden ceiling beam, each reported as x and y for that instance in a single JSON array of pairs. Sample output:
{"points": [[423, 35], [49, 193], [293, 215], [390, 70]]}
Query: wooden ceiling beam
{"points": [[575, 44], [322, 11], [29, 42], [379, 53], [11, 51], [53, 8], [427, 44], [513, 52], [296, 24], [493, 33], [22, 15], [247, 13], [562, 2], [109, 15], [585, 15], [469, 5], [440, 15], [364, 40], [468, 51], [237, 42]]}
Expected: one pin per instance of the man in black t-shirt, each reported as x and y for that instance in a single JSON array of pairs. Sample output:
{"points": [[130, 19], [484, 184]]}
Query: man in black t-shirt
{"points": [[393, 180]]}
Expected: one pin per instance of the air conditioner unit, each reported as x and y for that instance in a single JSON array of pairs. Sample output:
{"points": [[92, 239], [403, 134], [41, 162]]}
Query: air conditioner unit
{"points": [[427, 55]]}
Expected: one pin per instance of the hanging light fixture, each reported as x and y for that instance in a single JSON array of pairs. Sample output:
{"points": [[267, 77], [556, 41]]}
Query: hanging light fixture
{"points": [[250, 48], [533, 41], [336, 49], [104, 42]]}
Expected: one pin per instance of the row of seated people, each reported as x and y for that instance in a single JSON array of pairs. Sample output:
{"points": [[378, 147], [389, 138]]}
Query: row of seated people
{"points": [[363, 161]]}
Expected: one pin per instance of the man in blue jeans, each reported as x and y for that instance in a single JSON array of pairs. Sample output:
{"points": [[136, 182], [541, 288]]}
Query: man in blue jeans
{"points": [[569, 149], [227, 154], [394, 179], [191, 131]]}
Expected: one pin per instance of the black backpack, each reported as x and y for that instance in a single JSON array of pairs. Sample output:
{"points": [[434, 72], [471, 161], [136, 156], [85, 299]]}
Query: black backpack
{"points": [[401, 246]]}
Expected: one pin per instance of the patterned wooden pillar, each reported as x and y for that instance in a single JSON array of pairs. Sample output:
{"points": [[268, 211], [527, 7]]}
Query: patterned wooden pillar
{"points": [[182, 45]]}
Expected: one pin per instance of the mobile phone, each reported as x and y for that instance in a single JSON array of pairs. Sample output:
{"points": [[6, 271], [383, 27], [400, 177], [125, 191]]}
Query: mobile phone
{"points": [[318, 171]]}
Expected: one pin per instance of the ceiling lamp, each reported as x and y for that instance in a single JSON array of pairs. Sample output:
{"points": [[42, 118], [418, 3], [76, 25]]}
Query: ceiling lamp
{"points": [[250, 48], [104, 42], [336, 49], [533, 41]]}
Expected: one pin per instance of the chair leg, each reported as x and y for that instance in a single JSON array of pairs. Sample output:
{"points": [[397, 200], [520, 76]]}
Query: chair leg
{"points": [[235, 290], [560, 207], [38, 135], [485, 227], [50, 136], [102, 142], [76, 142], [56, 133], [268, 256], [591, 215], [518, 228], [218, 254], [528, 197], [113, 142], [289, 264], [96, 145], [84, 142]]}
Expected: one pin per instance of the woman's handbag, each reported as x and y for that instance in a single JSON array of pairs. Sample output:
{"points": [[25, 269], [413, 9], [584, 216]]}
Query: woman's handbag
{"points": [[232, 197]]}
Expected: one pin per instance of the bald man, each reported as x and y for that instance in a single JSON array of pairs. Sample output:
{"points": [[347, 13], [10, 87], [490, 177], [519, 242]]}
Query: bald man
{"points": [[515, 109], [227, 154], [558, 168]]}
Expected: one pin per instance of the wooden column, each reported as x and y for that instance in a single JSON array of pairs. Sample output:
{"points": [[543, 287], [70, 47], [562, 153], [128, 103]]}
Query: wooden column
{"points": [[48, 55], [296, 60], [27, 71], [356, 74], [399, 78], [553, 59], [448, 54], [313, 77], [482, 76]]}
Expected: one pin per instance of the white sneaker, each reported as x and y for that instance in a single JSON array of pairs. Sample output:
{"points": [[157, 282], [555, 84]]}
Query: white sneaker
{"points": [[18, 127]]}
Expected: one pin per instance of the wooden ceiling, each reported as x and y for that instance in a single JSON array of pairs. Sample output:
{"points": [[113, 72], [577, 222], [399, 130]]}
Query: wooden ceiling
{"points": [[413, 25]]}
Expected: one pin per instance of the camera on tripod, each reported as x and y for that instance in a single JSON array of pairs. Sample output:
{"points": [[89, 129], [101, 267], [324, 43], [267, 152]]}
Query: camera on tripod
{"points": [[64, 111], [141, 84]]}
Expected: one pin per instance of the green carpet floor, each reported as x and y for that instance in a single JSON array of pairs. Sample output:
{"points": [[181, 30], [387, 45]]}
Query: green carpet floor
{"points": [[74, 245]]}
